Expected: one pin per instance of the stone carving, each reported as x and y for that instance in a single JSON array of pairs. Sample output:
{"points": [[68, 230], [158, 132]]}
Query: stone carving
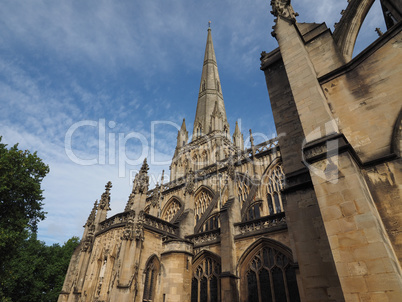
{"points": [[89, 239], [92, 215], [130, 203], [190, 183], [139, 227], [104, 203], [155, 197], [141, 181], [231, 169], [128, 232], [284, 9]]}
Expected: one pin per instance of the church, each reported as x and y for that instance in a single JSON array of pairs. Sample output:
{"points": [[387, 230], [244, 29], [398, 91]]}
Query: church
{"points": [[312, 215]]}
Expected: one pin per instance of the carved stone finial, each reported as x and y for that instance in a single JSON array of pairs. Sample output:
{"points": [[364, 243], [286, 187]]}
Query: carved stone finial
{"points": [[104, 203], [141, 180], [284, 9], [251, 139]]}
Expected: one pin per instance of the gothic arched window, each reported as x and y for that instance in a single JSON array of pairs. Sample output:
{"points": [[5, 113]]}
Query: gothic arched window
{"points": [[270, 276], [205, 282], [202, 201], [151, 273], [171, 209], [243, 190], [274, 187]]}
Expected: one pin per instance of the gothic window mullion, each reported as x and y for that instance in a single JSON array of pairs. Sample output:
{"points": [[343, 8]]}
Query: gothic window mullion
{"points": [[258, 286], [286, 285]]}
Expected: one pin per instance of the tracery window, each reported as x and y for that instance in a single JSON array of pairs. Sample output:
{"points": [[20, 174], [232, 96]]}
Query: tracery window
{"points": [[271, 277], [171, 210], [151, 273], [202, 201], [274, 187], [205, 285], [243, 190]]}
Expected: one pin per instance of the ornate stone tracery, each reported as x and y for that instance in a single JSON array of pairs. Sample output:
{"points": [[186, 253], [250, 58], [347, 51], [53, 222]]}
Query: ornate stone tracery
{"points": [[171, 209], [201, 203]]}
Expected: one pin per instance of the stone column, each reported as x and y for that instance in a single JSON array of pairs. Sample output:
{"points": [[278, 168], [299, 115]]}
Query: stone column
{"points": [[176, 259], [356, 234]]}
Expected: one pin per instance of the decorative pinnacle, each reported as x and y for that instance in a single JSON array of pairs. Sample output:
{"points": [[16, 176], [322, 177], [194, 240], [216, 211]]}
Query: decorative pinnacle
{"points": [[108, 186], [163, 176], [145, 167], [251, 139]]}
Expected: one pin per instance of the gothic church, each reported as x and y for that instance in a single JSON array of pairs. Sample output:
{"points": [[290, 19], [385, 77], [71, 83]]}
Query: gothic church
{"points": [[314, 215]]}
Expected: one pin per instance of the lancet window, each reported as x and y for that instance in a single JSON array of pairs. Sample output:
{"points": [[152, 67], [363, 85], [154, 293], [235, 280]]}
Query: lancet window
{"points": [[151, 273], [271, 276], [205, 285], [202, 201], [274, 187], [171, 210], [243, 190]]}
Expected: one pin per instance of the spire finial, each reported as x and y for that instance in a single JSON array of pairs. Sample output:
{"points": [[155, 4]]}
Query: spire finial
{"points": [[209, 24], [251, 139]]}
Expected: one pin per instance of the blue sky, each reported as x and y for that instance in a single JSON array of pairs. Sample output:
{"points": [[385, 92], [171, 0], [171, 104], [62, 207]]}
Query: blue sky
{"points": [[128, 69]]}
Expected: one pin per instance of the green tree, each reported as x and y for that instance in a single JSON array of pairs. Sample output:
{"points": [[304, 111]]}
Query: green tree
{"points": [[21, 207], [37, 271]]}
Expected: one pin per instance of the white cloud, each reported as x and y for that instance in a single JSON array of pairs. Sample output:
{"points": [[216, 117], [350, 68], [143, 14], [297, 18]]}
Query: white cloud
{"points": [[130, 62]]}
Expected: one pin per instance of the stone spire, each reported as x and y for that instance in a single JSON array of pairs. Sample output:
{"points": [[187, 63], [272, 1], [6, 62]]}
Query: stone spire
{"points": [[141, 180], [238, 139], [104, 204], [209, 94], [182, 135]]}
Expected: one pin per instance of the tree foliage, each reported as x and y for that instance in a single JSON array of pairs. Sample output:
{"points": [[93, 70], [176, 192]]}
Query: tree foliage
{"points": [[29, 270], [36, 272], [21, 207]]}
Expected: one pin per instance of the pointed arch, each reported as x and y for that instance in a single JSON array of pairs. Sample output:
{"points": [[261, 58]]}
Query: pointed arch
{"points": [[205, 283], [267, 272], [151, 273], [172, 209], [347, 30], [272, 183], [205, 201]]}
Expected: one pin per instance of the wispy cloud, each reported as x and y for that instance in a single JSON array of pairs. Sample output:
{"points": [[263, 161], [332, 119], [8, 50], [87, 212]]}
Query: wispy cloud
{"points": [[129, 63]]}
